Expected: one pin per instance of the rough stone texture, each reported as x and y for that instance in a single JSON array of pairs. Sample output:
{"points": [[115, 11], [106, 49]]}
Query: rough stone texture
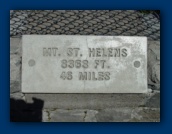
{"points": [[154, 101], [45, 116], [117, 114], [154, 64], [64, 115], [89, 101], [15, 86], [88, 107], [90, 116], [128, 115], [17, 95], [84, 22], [146, 115], [125, 114], [15, 65], [61, 115], [15, 44], [15, 73]]}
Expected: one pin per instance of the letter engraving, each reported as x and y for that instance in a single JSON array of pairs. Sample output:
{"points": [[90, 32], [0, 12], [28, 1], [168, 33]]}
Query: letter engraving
{"points": [[101, 76], [93, 76], [117, 52], [50, 51], [46, 51], [78, 63], [71, 63], [89, 75], [64, 63], [91, 52], [76, 51], [107, 76], [98, 51], [82, 76], [103, 63], [67, 75], [124, 52], [85, 64], [54, 51], [69, 52], [110, 52], [104, 52]]}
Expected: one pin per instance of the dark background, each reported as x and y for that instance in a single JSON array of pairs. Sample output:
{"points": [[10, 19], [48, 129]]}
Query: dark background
{"points": [[166, 64]]}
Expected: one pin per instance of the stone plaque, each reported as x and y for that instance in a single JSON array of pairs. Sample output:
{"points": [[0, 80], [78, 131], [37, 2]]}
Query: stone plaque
{"points": [[84, 64]]}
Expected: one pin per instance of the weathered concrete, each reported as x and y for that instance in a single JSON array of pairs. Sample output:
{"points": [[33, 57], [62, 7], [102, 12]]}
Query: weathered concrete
{"points": [[128, 115], [84, 64], [15, 68], [15, 73], [117, 114], [15, 44], [145, 106], [125, 114], [154, 64], [154, 101], [17, 95], [90, 116], [15, 64], [61, 115], [15, 86], [89, 101], [153, 59]]}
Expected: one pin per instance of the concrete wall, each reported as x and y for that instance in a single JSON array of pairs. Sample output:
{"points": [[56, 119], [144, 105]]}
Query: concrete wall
{"points": [[85, 107]]}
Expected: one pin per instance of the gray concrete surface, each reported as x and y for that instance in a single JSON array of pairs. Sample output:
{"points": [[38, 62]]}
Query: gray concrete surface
{"points": [[125, 114], [99, 107], [84, 64], [89, 108]]}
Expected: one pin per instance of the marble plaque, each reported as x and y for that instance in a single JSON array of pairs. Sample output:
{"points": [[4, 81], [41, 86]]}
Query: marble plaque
{"points": [[84, 64]]}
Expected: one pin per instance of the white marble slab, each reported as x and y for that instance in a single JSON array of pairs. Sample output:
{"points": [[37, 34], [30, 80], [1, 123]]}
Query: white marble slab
{"points": [[84, 64]]}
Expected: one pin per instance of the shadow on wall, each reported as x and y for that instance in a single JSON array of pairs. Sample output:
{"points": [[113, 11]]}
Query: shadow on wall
{"points": [[20, 111]]}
